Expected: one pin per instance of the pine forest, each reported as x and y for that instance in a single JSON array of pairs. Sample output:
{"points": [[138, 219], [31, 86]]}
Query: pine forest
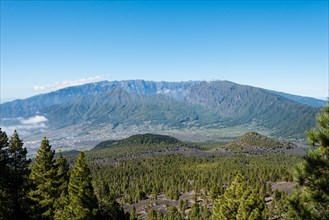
{"points": [[152, 177]]}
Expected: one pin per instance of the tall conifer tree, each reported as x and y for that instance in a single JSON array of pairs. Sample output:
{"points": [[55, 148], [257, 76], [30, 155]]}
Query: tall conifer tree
{"points": [[61, 182], [173, 214], [239, 202], [42, 177], [251, 206], [108, 207], [82, 203], [18, 176], [3, 157], [4, 172], [226, 207], [62, 173], [311, 200]]}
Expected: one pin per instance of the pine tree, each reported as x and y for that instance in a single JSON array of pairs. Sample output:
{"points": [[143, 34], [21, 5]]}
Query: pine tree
{"points": [[62, 168], [311, 200], [4, 172], [251, 206], [42, 177], [108, 208], [226, 207], [82, 203], [3, 157], [151, 215], [173, 214], [62, 176], [239, 202], [18, 176]]}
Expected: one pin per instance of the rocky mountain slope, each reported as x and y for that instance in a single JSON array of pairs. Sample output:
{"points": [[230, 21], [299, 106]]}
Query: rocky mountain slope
{"points": [[123, 108]]}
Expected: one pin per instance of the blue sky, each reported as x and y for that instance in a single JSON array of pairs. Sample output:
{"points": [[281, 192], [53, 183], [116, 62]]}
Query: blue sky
{"points": [[279, 45]]}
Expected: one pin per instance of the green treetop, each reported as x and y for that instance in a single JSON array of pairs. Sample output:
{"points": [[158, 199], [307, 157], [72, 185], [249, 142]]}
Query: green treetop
{"points": [[3, 157], [62, 174], [311, 201], [19, 171], [62, 168], [173, 214], [4, 172], [42, 177], [238, 202], [82, 203]]}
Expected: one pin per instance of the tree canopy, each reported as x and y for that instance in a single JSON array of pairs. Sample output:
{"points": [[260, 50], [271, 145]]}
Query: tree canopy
{"points": [[311, 200]]}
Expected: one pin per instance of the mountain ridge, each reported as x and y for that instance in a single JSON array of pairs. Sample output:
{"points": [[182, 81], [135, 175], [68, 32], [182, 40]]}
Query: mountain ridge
{"points": [[157, 87], [136, 106]]}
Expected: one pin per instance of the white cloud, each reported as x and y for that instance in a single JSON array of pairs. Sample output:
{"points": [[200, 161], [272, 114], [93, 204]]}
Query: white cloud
{"points": [[33, 120], [60, 85], [24, 130], [24, 126]]}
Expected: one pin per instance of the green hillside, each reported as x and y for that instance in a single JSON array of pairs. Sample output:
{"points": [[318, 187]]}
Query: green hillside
{"points": [[240, 104], [137, 145], [253, 141], [119, 107], [138, 139]]}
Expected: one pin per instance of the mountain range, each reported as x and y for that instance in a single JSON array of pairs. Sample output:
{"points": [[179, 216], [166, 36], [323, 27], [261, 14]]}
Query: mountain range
{"points": [[104, 110]]}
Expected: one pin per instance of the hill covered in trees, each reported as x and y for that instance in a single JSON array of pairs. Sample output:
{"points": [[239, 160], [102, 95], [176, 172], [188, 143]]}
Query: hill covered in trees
{"points": [[254, 142], [146, 145], [171, 185], [155, 145], [139, 139]]}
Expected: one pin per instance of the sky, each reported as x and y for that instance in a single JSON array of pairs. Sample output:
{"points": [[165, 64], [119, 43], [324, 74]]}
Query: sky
{"points": [[278, 45]]}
